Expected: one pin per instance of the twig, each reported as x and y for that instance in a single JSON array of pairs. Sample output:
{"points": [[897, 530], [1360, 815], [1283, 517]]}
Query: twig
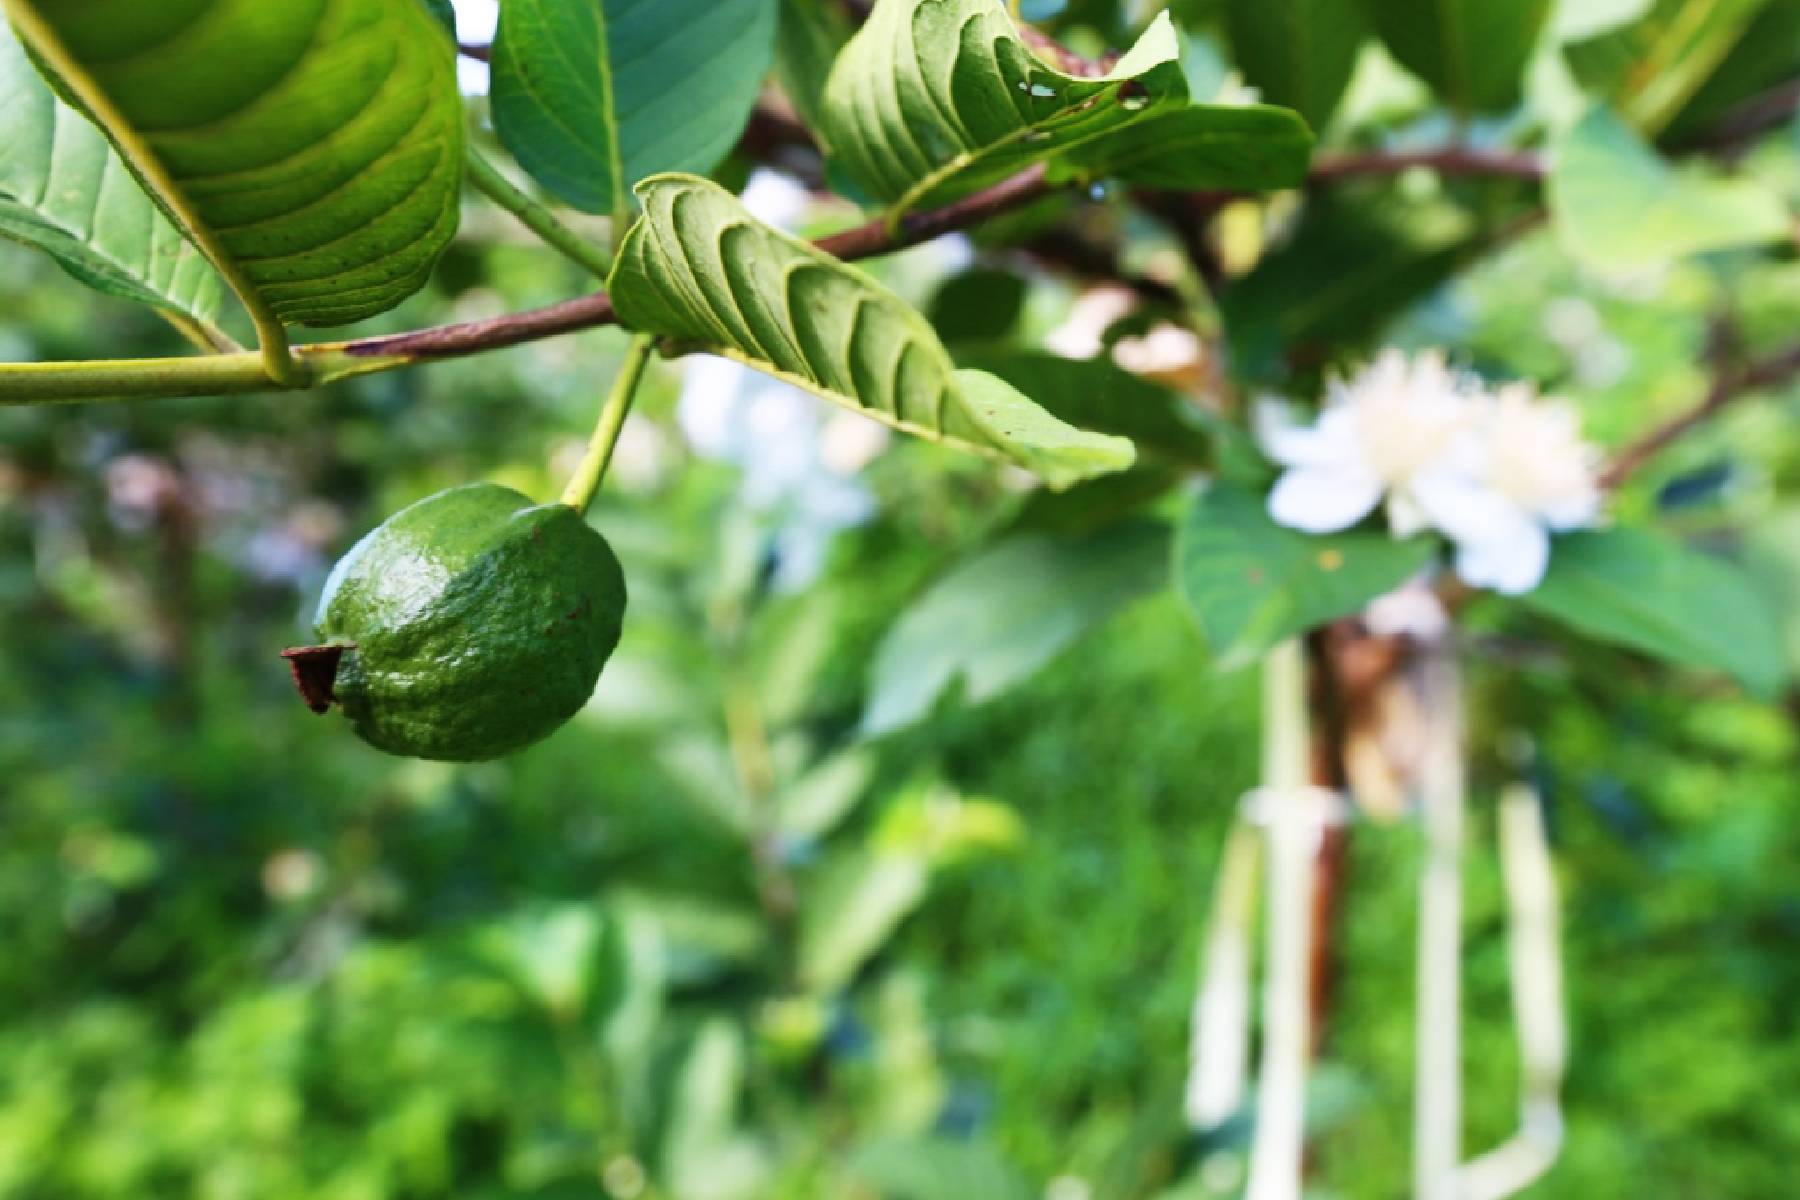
{"points": [[1729, 384], [1446, 160], [596, 309]]}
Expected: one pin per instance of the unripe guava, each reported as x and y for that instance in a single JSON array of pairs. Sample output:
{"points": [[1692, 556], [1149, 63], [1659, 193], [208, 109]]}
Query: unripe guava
{"points": [[467, 626]]}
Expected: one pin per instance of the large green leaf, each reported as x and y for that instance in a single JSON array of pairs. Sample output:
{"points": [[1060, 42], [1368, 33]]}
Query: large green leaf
{"points": [[1638, 589], [935, 98], [593, 95], [997, 618], [1620, 206], [1252, 583], [313, 148], [1650, 69], [1239, 147], [63, 190], [699, 269], [1472, 52], [1297, 53]]}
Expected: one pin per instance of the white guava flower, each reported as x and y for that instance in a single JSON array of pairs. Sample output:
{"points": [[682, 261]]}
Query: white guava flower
{"points": [[1533, 476], [1386, 432], [1496, 472]]}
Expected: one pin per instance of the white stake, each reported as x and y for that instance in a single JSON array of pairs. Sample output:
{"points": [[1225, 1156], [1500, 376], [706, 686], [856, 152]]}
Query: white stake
{"points": [[1292, 810], [1534, 948], [1437, 1097]]}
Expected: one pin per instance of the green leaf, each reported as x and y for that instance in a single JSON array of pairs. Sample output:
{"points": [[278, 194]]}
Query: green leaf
{"points": [[938, 1168], [312, 149], [938, 98], [1240, 147], [593, 96], [1350, 268], [700, 269], [1620, 206], [997, 618], [1652, 68], [1472, 52], [1097, 394], [851, 909], [810, 36], [1297, 53], [1252, 583], [1637, 589], [64, 191], [981, 304]]}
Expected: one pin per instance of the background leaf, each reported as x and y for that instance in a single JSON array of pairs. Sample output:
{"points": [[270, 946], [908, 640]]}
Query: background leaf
{"points": [[1472, 52], [935, 98], [1620, 206], [810, 36], [700, 269], [1650, 69], [316, 147], [593, 96], [1297, 53], [998, 617], [852, 908], [1252, 583], [1098, 394], [1638, 589], [63, 190]]}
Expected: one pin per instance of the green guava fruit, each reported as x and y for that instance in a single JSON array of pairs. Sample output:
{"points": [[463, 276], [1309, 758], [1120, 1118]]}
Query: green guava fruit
{"points": [[466, 627]]}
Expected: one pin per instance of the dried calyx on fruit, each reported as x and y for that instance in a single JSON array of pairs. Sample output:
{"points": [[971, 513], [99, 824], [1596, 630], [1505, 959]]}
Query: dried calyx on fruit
{"points": [[467, 626]]}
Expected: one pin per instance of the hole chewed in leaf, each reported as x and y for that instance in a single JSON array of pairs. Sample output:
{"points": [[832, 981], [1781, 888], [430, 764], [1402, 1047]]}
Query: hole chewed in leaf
{"points": [[315, 671]]}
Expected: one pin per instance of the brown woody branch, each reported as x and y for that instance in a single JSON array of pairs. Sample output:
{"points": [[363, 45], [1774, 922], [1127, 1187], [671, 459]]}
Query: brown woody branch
{"points": [[596, 309], [1728, 385]]}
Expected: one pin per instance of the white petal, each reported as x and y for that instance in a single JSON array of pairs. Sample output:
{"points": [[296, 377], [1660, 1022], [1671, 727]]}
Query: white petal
{"points": [[1462, 507], [1284, 439], [1405, 515], [1511, 561], [1323, 499], [1573, 512]]}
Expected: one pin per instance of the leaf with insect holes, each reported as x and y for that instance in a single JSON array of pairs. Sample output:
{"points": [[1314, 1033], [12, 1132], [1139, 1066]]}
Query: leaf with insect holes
{"points": [[64, 191], [699, 269], [593, 95], [1252, 583], [313, 149], [938, 98]]}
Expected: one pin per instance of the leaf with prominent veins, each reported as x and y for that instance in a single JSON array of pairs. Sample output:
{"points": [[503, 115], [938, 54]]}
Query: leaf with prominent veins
{"points": [[593, 95], [699, 269], [313, 149], [934, 99], [64, 191]]}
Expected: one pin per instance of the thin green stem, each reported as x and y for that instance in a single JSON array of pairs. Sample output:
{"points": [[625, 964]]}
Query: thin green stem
{"points": [[166, 378], [488, 180], [588, 476]]}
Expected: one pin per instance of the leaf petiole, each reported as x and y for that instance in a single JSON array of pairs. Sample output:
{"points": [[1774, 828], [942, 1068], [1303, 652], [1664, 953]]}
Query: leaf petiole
{"points": [[585, 483], [485, 178]]}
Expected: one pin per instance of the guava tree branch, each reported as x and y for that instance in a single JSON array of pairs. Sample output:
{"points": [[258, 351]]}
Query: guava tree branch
{"points": [[1728, 385]]}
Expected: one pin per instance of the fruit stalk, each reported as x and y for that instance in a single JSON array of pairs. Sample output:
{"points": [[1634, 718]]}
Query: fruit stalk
{"points": [[588, 476]]}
